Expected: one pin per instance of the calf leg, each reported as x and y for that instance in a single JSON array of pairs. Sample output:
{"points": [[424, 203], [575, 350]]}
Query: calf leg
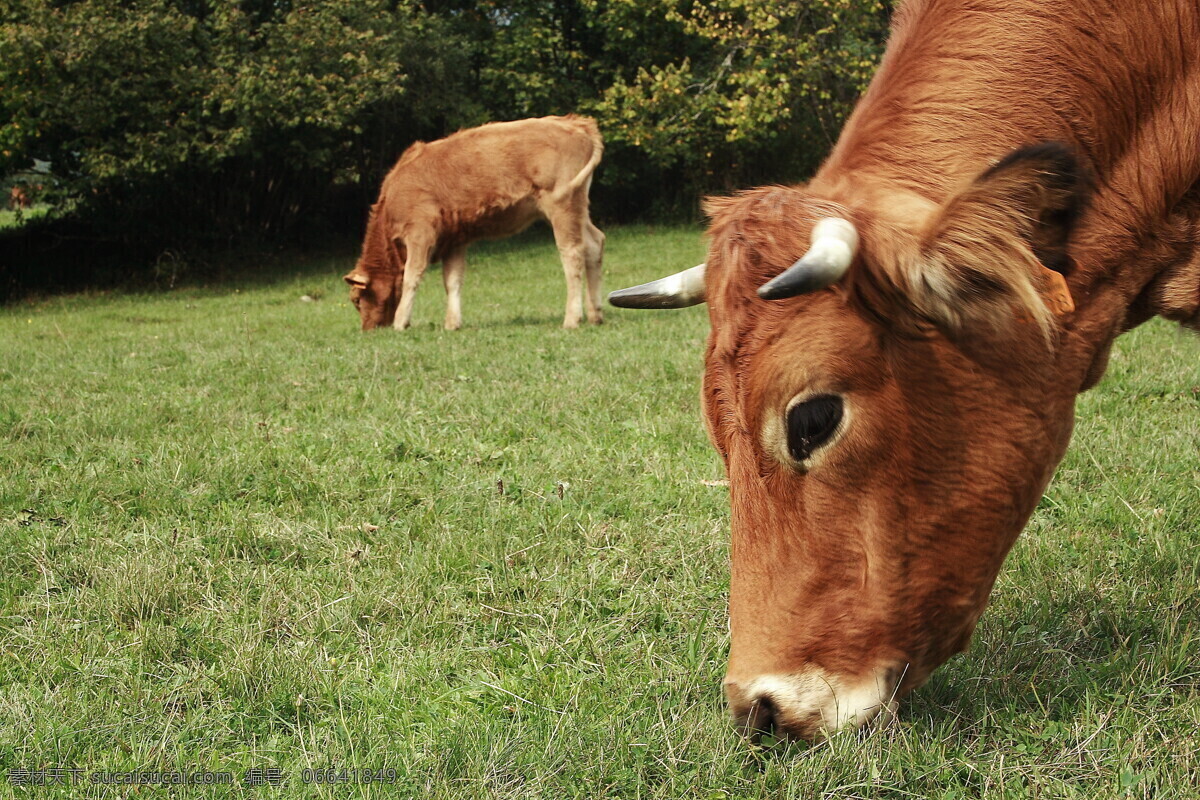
{"points": [[453, 267], [414, 270], [594, 255], [568, 235]]}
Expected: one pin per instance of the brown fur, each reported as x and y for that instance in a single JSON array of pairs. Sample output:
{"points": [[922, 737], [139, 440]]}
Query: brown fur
{"points": [[482, 183], [18, 198], [884, 548]]}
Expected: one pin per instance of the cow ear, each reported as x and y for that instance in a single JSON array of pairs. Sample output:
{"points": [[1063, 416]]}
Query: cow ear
{"points": [[355, 279], [997, 251]]}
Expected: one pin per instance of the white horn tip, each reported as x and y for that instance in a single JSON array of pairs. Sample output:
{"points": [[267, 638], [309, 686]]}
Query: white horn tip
{"points": [[680, 290]]}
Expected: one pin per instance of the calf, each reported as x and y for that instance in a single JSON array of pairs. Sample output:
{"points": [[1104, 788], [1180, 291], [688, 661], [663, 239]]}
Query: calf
{"points": [[483, 183], [18, 198]]}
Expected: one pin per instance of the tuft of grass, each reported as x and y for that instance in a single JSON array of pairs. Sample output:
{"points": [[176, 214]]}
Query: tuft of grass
{"points": [[15, 218], [236, 533]]}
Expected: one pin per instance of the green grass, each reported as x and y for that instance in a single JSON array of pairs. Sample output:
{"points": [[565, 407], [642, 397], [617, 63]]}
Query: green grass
{"points": [[15, 218], [237, 533]]}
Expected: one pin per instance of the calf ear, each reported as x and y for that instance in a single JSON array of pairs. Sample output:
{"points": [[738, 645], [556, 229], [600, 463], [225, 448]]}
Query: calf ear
{"points": [[355, 279], [997, 251]]}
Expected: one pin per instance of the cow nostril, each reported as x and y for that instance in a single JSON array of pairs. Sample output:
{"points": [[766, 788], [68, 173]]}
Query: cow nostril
{"points": [[757, 714], [761, 717]]}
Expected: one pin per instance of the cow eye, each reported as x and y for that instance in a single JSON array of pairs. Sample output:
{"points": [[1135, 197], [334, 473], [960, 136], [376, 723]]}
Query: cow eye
{"points": [[811, 423]]}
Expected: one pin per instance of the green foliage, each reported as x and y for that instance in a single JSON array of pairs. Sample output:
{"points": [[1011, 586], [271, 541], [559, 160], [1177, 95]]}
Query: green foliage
{"points": [[148, 110], [173, 121], [763, 73], [691, 97], [110, 92]]}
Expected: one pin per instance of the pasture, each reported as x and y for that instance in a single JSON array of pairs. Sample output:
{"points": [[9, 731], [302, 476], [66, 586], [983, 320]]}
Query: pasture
{"points": [[237, 533], [14, 218]]}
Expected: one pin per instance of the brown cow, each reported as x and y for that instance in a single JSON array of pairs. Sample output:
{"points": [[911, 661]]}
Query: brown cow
{"points": [[18, 198], [482, 183], [896, 347]]}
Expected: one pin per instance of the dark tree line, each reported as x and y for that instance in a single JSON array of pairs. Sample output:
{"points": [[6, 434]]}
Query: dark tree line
{"points": [[168, 124]]}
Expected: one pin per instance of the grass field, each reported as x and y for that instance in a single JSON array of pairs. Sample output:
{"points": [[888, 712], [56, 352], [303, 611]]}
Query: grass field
{"points": [[237, 534], [10, 218]]}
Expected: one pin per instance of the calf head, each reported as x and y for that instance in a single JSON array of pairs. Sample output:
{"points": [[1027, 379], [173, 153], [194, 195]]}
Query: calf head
{"points": [[375, 295], [377, 280], [888, 420]]}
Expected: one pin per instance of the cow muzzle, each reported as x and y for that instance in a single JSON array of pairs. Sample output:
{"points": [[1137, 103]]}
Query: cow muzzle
{"points": [[813, 704]]}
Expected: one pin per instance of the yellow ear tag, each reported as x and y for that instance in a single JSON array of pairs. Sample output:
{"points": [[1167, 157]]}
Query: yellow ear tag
{"points": [[1056, 294]]}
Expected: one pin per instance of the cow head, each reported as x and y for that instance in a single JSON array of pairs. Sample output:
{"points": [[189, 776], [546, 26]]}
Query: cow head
{"points": [[888, 420], [377, 279]]}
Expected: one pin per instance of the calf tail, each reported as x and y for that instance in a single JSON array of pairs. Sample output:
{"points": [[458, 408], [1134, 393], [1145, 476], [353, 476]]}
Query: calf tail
{"points": [[593, 132]]}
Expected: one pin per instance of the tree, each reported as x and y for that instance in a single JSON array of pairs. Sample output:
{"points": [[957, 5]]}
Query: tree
{"points": [[760, 98], [213, 120], [691, 96], [175, 122]]}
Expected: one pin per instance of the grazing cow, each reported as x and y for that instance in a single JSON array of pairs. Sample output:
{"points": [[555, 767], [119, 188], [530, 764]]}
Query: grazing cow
{"points": [[896, 347], [482, 183], [18, 198]]}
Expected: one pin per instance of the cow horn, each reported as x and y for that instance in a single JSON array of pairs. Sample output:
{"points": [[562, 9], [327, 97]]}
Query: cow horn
{"points": [[834, 243], [680, 290], [355, 279]]}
